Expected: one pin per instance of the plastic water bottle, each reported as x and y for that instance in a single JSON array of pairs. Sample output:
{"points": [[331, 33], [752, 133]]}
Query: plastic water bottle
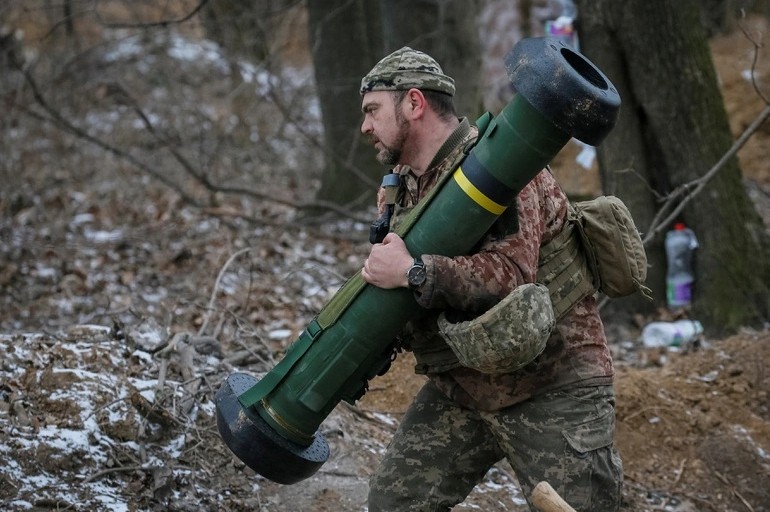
{"points": [[563, 26], [680, 244], [671, 334]]}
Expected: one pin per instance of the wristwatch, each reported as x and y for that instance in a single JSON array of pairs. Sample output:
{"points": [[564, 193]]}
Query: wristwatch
{"points": [[417, 274]]}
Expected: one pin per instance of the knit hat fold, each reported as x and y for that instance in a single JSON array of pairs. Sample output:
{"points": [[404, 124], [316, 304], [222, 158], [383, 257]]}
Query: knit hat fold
{"points": [[407, 68]]}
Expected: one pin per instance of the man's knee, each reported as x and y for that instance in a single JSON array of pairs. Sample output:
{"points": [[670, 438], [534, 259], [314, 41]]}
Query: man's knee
{"points": [[570, 446]]}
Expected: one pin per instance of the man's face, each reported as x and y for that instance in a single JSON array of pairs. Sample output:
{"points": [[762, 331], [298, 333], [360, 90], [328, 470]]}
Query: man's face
{"points": [[384, 125]]}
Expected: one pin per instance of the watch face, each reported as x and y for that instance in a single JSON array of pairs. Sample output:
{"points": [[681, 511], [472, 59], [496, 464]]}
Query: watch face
{"points": [[416, 275]]}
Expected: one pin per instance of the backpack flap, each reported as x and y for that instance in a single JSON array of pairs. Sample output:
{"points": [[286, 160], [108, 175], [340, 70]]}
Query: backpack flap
{"points": [[614, 247]]}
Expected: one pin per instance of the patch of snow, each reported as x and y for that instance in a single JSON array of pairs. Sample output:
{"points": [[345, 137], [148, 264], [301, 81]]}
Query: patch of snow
{"points": [[279, 334], [101, 236]]}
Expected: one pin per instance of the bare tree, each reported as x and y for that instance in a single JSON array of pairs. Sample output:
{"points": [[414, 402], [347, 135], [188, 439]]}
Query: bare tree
{"points": [[346, 41], [347, 38], [672, 129], [447, 31]]}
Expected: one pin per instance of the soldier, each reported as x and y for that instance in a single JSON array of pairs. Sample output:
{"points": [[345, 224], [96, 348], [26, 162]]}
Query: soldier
{"points": [[549, 407]]}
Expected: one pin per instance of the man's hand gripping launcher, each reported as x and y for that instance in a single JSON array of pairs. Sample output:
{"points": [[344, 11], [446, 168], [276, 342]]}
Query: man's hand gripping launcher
{"points": [[272, 424]]}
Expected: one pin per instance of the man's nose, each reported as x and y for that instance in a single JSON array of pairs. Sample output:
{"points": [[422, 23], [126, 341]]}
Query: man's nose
{"points": [[366, 125]]}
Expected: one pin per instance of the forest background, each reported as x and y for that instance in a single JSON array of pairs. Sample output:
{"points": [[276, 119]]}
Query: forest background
{"points": [[167, 169]]}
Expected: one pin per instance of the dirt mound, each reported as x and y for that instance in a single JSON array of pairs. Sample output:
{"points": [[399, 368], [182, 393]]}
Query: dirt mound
{"points": [[698, 428]]}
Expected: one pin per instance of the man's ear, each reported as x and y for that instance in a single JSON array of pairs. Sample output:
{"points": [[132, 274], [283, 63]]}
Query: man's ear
{"points": [[416, 103]]}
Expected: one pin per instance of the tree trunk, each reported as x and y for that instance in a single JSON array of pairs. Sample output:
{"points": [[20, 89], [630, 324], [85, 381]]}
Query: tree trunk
{"points": [[446, 30], [672, 129], [348, 37], [346, 42], [716, 16]]}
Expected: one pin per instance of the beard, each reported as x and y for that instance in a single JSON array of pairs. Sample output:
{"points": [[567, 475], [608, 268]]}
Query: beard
{"points": [[391, 154]]}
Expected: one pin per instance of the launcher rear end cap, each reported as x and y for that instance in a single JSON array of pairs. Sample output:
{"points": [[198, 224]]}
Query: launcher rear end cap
{"points": [[255, 443]]}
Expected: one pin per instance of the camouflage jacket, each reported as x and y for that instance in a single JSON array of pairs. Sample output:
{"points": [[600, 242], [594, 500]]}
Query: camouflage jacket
{"points": [[465, 286]]}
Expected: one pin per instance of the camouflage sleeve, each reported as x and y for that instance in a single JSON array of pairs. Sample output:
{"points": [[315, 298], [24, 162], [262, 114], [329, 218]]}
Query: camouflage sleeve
{"points": [[476, 282]]}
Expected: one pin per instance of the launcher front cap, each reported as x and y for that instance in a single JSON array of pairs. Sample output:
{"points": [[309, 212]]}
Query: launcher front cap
{"points": [[259, 446]]}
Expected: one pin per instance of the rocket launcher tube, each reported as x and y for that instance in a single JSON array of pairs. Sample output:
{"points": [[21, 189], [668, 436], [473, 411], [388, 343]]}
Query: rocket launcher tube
{"points": [[361, 321], [271, 424]]}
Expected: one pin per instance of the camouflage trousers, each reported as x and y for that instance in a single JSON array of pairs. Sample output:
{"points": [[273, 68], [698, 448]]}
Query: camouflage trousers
{"points": [[441, 451]]}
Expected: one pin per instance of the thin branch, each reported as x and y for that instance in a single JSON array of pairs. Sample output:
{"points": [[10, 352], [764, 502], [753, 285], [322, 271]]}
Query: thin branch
{"points": [[65, 125], [755, 59], [313, 140], [121, 469], [162, 23], [696, 186], [62, 123], [210, 307]]}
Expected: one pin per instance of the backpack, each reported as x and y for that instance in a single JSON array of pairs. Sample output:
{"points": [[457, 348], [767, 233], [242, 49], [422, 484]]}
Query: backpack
{"points": [[612, 244]]}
